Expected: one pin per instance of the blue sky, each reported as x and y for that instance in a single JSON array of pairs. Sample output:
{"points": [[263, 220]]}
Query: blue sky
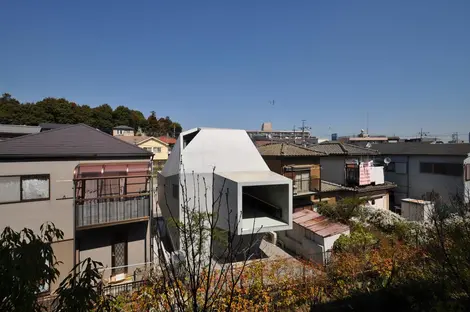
{"points": [[219, 63]]}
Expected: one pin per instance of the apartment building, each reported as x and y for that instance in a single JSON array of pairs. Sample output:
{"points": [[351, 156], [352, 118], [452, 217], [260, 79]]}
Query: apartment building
{"points": [[220, 171], [92, 186], [422, 171]]}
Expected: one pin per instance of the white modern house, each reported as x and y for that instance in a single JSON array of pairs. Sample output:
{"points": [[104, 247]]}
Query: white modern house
{"points": [[466, 163], [220, 171]]}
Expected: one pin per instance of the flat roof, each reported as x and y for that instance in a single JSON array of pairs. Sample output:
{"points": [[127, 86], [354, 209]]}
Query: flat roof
{"points": [[254, 176], [416, 201]]}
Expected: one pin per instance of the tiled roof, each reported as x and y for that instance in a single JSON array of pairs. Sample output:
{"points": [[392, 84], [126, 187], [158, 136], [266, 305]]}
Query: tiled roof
{"points": [[327, 186], [338, 148], [19, 129], [320, 225], [167, 140], [71, 141], [50, 126], [122, 127], [286, 149], [136, 139], [409, 148]]}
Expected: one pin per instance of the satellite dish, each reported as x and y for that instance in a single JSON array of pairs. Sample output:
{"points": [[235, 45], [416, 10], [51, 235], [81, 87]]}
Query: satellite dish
{"points": [[368, 145], [387, 160]]}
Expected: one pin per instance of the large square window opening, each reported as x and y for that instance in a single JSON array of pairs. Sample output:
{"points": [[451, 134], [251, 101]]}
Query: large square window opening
{"points": [[266, 201]]}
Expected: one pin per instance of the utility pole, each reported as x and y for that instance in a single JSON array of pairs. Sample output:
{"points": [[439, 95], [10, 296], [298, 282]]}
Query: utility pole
{"points": [[421, 134], [294, 134], [303, 128]]}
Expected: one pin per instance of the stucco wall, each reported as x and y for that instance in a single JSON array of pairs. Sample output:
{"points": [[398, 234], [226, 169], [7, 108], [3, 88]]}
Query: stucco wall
{"points": [[96, 244], [332, 169], [63, 251], [163, 155], [56, 210]]}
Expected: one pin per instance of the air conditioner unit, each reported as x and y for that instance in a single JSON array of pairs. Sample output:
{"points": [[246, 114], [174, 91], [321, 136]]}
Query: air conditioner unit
{"points": [[271, 237]]}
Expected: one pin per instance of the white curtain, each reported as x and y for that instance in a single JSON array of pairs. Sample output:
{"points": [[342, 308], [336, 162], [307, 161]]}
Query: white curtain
{"points": [[9, 189], [35, 188]]}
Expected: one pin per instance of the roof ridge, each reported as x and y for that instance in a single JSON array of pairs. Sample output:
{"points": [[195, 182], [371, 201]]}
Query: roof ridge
{"points": [[39, 133]]}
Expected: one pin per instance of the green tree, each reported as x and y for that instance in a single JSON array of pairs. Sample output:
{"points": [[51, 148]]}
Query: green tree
{"points": [[27, 263]]}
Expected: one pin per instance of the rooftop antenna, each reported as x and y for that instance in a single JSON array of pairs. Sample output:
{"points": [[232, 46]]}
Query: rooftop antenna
{"points": [[303, 128], [367, 123]]}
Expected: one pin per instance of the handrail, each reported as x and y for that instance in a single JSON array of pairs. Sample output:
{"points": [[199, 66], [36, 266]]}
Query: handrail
{"points": [[264, 202], [113, 197], [113, 177]]}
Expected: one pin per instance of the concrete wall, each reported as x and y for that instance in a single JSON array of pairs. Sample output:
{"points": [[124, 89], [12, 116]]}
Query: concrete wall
{"points": [[380, 201], [414, 184], [227, 203], [444, 185], [467, 183], [96, 244], [169, 205], [315, 250], [332, 169]]}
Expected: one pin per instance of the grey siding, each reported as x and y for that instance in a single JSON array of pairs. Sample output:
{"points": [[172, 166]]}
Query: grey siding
{"points": [[332, 169]]}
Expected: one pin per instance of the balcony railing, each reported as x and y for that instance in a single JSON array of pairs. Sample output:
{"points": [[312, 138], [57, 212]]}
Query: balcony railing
{"points": [[305, 186], [93, 212]]}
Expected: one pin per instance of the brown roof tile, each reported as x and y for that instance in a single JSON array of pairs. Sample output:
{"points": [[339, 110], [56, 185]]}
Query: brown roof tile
{"points": [[69, 141], [286, 149], [320, 225]]}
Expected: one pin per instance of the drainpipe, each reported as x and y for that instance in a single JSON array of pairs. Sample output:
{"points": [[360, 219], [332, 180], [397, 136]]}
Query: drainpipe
{"points": [[74, 221], [150, 223]]}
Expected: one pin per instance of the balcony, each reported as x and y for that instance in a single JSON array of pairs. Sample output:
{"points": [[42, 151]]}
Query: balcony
{"points": [[305, 179], [108, 211], [109, 194]]}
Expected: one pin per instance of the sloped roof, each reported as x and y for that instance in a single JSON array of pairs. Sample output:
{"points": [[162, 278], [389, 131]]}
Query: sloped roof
{"points": [[338, 148], [71, 141], [19, 129], [49, 126], [122, 127], [327, 186], [167, 140], [411, 148], [199, 150], [320, 225], [286, 149], [138, 139]]}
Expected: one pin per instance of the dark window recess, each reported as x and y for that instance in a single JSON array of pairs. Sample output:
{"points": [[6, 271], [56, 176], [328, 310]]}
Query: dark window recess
{"points": [[390, 167], [372, 202], [442, 168], [175, 191], [352, 175], [425, 167], [119, 256]]}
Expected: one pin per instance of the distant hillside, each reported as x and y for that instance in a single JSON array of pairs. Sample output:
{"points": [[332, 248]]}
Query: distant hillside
{"points": [[103, 117]]}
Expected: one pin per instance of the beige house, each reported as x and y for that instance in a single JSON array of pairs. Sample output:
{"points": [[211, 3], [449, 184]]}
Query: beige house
{"points": [[156, 146], [96, 189], [123, 131]]}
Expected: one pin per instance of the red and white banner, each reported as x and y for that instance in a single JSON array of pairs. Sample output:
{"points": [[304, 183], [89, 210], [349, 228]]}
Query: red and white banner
{"points": [[365, 169]]}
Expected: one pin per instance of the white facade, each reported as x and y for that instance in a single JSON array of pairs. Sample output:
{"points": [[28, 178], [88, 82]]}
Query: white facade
{"points": [[467, 179], [220, 171], [412, 183]]}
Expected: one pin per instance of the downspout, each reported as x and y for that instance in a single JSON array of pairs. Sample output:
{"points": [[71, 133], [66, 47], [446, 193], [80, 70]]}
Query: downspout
{"points": [[74, 221], [150, 223]]}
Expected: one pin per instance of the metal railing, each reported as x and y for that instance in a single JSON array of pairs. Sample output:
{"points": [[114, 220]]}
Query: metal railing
{"points": [[115, 290], [101, 211]]}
